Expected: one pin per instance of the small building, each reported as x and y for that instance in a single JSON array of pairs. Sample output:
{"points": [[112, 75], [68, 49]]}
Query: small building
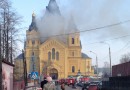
{"points": [[18, 69], [7, 75], [121, 69]]}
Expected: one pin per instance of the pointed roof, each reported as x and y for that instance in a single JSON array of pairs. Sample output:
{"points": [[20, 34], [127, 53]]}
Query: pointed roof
{"points": [[85, 56], [33, 23], [33, 14], [53, 7], [71, 24], [19, 57]]}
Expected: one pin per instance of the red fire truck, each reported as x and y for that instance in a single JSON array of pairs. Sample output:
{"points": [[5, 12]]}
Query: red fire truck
{"points": [[62, 81], [84, 79], [70, 81]]}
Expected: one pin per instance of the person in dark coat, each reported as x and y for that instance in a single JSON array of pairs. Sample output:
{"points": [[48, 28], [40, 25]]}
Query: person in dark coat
{"points": [[43, 83]]}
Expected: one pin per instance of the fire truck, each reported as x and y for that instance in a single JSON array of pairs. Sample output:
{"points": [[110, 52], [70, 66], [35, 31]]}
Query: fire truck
{"points": [[70, 81], [84, 79]]}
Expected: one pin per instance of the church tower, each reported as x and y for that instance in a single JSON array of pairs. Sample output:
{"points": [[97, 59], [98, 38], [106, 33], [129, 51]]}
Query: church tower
{"points": [[74, 39], [32, 47], [52, 8], [59, 56]]}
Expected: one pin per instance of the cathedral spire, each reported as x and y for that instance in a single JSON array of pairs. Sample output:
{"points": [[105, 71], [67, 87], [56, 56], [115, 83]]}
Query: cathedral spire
{"points": [[33, 14], [53, 7], [33, 17], [71, 24], [33, 23]]}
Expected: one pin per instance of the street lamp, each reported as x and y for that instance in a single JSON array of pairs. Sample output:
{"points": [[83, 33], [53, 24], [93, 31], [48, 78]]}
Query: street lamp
{"points": [[109, 54], [96, 62]]}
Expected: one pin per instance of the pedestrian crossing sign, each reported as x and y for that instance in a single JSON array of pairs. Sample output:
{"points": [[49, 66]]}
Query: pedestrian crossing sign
{"points": [[34, 75]]}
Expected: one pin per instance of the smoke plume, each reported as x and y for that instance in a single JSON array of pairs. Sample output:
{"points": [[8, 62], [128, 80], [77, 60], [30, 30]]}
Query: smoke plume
{"points": [[87, 14]]}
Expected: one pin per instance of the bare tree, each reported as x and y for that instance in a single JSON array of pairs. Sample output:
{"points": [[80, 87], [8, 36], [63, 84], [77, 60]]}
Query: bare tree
{"points": [[125, 58], [9, 20]]}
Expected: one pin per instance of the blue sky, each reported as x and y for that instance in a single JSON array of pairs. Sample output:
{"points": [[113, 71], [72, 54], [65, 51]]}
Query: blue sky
{"points": [[88, 14]]}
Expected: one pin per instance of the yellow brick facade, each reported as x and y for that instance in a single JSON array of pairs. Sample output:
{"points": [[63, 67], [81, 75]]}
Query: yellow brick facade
{"points": [[54, 56], [68, 56]]}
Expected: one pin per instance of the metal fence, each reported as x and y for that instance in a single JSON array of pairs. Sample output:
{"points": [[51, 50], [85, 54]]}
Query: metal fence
{"points": [[117, 83]]}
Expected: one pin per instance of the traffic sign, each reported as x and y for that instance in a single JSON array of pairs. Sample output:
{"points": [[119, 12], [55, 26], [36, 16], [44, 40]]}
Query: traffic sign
{"points": [[34, 75]]}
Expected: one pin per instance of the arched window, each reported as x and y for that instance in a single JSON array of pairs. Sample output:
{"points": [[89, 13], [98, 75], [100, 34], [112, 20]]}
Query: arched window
{"points": [[88, 63], [33, 42], [73, 69], [57, 55], [49, 55], [72, 40], [72, 53], [32, 53], [53, 53]]}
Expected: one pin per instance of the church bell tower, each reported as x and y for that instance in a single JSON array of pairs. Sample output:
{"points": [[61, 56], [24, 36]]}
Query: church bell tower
{"points": [[32, 46]]}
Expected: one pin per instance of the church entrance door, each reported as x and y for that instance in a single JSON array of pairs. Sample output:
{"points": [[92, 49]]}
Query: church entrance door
{"points": [[54, 73]]}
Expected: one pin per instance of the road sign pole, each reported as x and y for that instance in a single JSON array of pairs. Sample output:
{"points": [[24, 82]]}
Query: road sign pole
{"points": [[34, 84], [34, 75]]}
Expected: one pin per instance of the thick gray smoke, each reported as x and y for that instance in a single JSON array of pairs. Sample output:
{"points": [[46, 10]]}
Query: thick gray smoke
{"points": [[55, 23], [97, 13], [87, 14]]}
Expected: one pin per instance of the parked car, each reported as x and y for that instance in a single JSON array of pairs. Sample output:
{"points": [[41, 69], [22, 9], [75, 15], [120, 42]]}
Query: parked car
{"points": [[80, 83], [85, 86], [95, 85]]}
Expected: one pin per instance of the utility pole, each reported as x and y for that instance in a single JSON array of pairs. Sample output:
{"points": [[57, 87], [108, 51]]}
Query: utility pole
{"points": [[110, 60], [97, 65], [109, 56], [0, 62], [25, 70], [96, 62]]}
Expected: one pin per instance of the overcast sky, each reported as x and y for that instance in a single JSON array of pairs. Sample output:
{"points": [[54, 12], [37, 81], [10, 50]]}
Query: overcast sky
{"points": [[89, 14]]}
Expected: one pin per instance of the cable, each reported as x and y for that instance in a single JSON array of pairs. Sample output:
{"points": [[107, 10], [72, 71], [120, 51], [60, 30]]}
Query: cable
{"points": [[93, 29], [112, 39], [119, 51], [124, 46]]}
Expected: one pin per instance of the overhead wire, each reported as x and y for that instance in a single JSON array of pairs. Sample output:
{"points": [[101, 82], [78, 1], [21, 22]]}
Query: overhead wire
{"points": [[93, 29], [111, 39]]}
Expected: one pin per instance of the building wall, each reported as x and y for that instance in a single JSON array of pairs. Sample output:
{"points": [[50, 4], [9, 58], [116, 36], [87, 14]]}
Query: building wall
{"points": [[18, 69], [57, 64], [32, 51], [69, 55]]}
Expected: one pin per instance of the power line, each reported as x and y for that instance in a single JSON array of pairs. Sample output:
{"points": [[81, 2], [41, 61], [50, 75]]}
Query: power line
{"points": [[93, 29], [124, 46], [111, 39], [107, 26], [117, 52]]}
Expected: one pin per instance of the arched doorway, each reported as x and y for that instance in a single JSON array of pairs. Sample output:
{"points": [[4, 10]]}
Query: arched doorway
{"points": [[54, 73]]}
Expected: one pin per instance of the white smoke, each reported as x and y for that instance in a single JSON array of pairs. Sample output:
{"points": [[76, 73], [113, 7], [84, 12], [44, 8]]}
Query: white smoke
{"points": [[97, 13], [87, 14]]}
